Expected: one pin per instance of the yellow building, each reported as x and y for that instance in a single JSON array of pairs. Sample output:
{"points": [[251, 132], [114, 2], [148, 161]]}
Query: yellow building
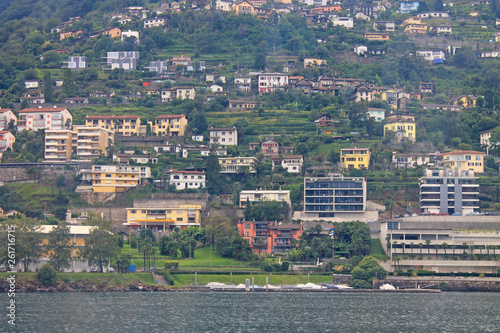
{"points": [[355, 158], [404, 126], [244, 7], [127, 125], [420, 29], [467, 101], [114, 178], [173, 125], [412, 20], [163, 216], [376, 36], [237, 164], [464, 160], [59, 144]]}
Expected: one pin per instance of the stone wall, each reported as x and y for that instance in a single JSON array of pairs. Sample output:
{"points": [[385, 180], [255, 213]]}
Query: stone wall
{"points": [[443, 283]]}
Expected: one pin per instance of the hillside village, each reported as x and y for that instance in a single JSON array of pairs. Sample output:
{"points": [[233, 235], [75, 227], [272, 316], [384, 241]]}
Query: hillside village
{"points": [[284, 119]]}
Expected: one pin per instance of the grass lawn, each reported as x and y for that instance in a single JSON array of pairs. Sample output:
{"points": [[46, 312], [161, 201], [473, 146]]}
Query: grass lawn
{"points": [[376, 250], [201, 260], [189, 279], [110, 279]]}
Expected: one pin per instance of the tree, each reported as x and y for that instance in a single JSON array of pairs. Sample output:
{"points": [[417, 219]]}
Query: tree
{"points": [[267, 211], [367, 270], [100, 247], [260, 61], [28, 242], [48, 90], [59, 247], [46, 275]]}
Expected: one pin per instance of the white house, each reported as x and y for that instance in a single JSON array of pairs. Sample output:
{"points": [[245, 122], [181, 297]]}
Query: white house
{"points": [[154, 22], [224, 136], [187, 179], [271, 82]]}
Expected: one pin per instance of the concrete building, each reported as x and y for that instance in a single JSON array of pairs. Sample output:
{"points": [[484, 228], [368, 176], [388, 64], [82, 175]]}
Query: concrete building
{"points": [[449, 191], [126, 125], [76, 63], [410, 160], [114, 178], [44, 118], [355, 158], [444, 244], [59, 144], [92, 142], [336, 199], [126, 60], [6, 117], [464, 160], [168, 95], [378, 114], [172, 124], [187, 179], [224, 136], [271, 82], [164, 212], [154, 22], [237, 164], [255, 196], [291, 163], [270, 237], [244, 83], [484, 138]]}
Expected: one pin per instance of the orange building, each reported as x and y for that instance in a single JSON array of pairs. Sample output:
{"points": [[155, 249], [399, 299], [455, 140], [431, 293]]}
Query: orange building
{"points": [[268, 237]]}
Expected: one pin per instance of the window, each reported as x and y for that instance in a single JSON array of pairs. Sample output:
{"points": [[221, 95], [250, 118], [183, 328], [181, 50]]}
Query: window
{"points": [[179, 219], [132, 211], [392, 225]]}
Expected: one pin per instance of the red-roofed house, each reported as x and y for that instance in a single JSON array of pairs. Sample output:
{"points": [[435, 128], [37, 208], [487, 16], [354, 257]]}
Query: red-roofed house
{"points": [[44, 118], [268, 237], [127, 125], [464, 160]]}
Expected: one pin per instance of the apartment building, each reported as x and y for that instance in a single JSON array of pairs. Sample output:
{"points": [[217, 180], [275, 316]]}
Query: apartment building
{"points": [[355, 158], [271, 82], [92, 142], [254, 196], [291, 163], [7, 116], [410, 160], [237, 164], [334, 196], [165, 214], [59, 144], [117, 178], [126, 60], [126, 125], [449, 191], [154, 22], [464, 160], [173, 125], [270, 237], [44, 118], [182, 93], [76, 63], [224, 136]]}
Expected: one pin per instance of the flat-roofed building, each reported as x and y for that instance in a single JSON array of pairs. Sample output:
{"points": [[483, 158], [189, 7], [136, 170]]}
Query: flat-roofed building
{"points": [[164, 212], [92, 142], [255, 196], [270, 82], [410, 160], [443, 244], [334, 196], [224, 136], [237, 164], [355, 158], [117, 178], [449, 191], [59, 144]]}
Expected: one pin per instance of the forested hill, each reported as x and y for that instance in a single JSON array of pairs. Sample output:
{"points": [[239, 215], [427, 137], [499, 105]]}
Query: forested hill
{"points": [[57, 9]]}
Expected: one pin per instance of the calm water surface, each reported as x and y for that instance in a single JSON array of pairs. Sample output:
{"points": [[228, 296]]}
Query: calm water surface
{"points": [[255, 312]]}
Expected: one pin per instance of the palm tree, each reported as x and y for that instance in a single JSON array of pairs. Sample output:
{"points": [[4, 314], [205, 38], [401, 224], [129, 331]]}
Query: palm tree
{"points": [[420, 245], [393, 245], [444, 246], [403, 246], [428, 242], [465, 245]]}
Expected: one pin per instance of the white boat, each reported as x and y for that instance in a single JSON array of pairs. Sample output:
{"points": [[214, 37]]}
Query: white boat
{"points": [[343, 286], [387, 286]]}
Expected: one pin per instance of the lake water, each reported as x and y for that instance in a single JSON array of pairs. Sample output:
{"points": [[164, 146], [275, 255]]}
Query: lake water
{"points": [[254, 312]]}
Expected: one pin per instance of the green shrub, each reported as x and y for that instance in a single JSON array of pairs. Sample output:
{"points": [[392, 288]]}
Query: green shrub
{"points": [[46, 275], [285, 266], [171, 265]]}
